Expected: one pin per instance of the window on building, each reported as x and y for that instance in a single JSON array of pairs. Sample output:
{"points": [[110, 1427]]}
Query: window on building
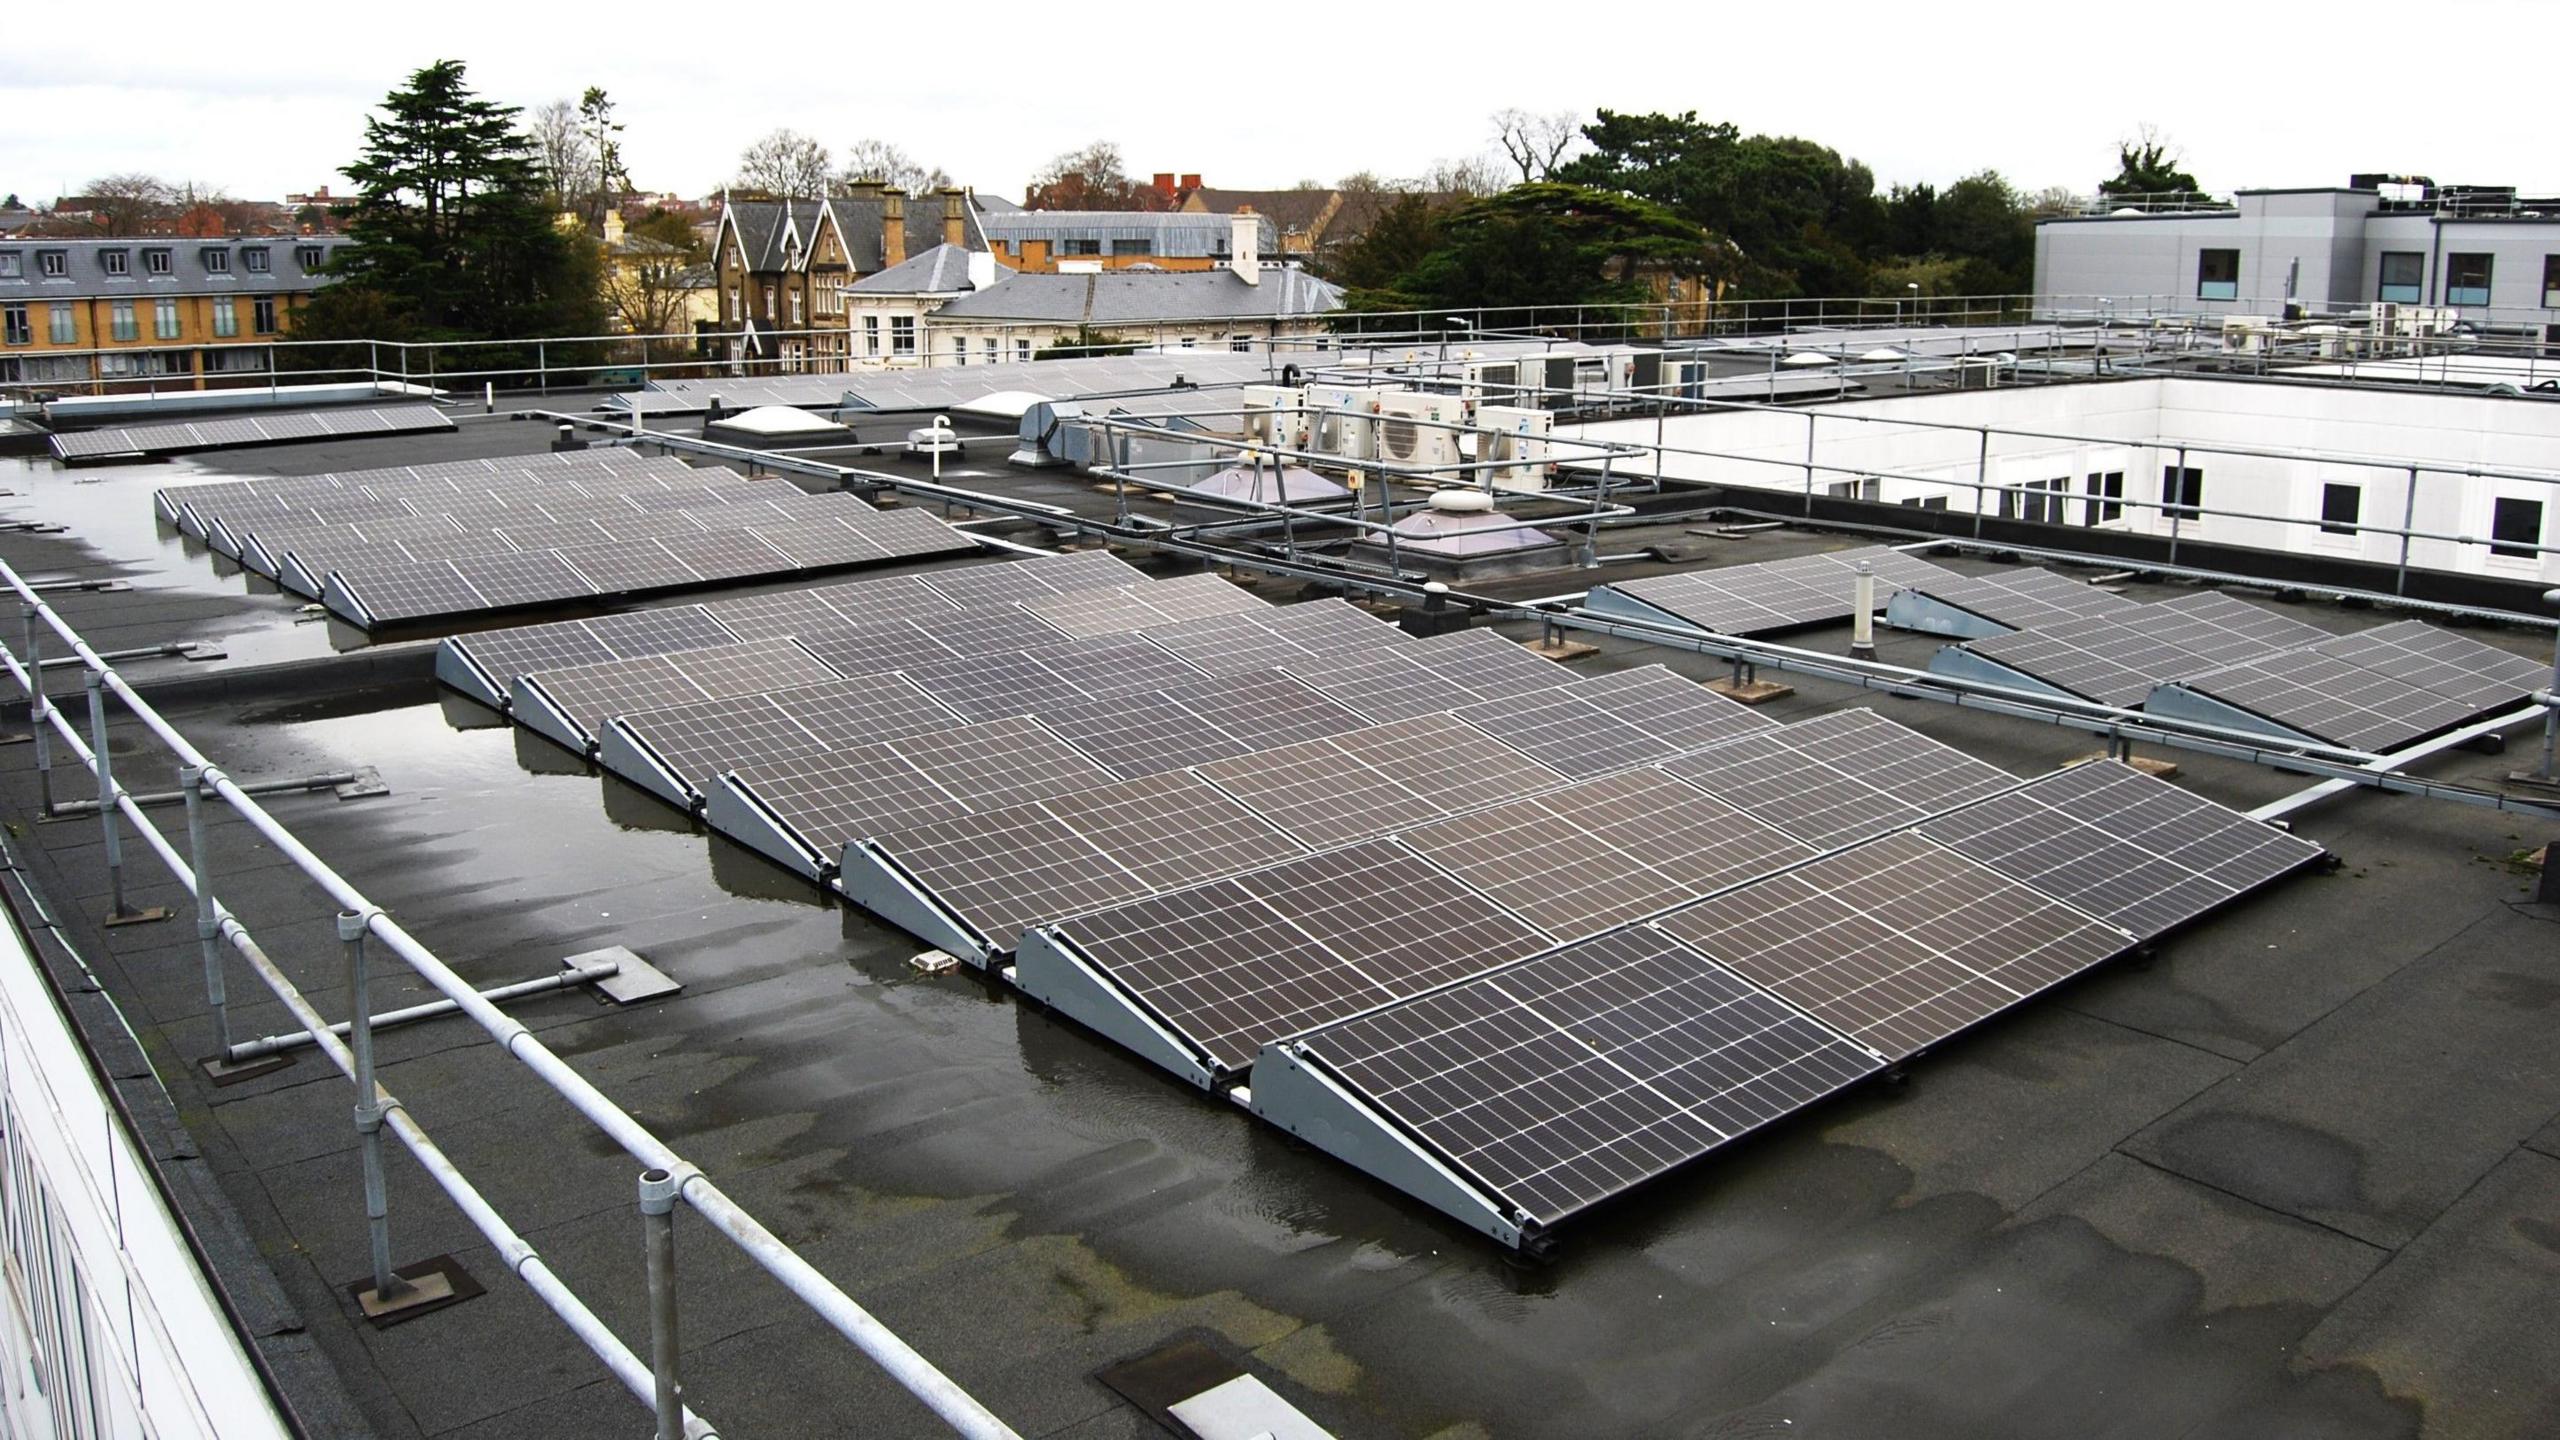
{"points": [[2217, 274], [120, 320], [2042, 500], [66, 323], [768, 302], [309, 257], [1240, 343], [1190, 341], [116, 262], [156, 260], [13, 320], [870, 334], [226, 317], [2404, 277], [2181, 491], [2551, 282], [262, 314], [215, 259], [1926, 502], [1021, 349], [1865, 488], [2106, 498], [992, 351], [2340, 507], [902, 334], [732, 311], [164, 319], [959, 350], [13, 265], [796, 318], [2515, 527], [2466, 279], [53, 264], [253, 258], [1133, 247], [1079, 247]]}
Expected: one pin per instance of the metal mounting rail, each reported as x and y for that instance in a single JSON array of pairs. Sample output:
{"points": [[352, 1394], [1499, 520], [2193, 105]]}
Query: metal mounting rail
{"points": [[365, 925]]}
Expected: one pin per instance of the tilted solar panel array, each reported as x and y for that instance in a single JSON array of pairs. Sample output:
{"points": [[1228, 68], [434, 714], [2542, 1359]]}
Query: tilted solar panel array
{"points": [[1768, 596], [1521, 1095], [147, 441], [410, 544]]}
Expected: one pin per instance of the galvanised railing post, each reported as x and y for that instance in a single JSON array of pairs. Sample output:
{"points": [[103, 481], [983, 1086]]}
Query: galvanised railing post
{"points": [[104, 770], [389, 1288], [208, 911], [658, 1191], [39, 713]]}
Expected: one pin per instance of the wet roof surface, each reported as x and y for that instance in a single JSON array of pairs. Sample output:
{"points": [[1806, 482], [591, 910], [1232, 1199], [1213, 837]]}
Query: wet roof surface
{"points": [[2298, 1175]]}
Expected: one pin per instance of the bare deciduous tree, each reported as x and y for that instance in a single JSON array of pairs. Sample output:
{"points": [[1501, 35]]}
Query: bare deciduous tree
{"points": [[1535, 143], [131, 203], [785, 162], [1464, 175], [560, 147], [883, 163]]}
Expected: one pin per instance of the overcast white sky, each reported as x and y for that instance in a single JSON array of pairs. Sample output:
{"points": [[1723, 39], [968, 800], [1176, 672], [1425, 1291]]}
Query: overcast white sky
{"points": [[2257, 92]]}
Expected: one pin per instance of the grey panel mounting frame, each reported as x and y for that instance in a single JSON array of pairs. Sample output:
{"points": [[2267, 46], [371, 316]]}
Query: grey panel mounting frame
{"points": [[624, 753], [1916, 610], [734, 811], [871, 878], [1047, 967], [1292, 1093]]}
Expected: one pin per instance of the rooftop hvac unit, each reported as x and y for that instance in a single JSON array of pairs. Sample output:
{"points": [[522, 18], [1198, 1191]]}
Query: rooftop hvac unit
{"points": [[1414, 430], [1342, 420], [1271, 415], [1519, 439], [2247, 334], [1493, 382]]}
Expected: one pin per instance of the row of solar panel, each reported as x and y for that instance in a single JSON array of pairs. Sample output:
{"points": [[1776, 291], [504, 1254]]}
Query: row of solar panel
{"points": [[2211, 657], [186, 505], [1769, 596], [145, 441]]}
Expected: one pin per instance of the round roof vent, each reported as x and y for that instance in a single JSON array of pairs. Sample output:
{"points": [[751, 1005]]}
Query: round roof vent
{"points": [[1461, 502]]}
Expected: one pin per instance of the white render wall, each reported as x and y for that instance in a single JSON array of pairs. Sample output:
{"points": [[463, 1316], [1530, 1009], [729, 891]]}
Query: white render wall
{"points": [[2021, 436]]}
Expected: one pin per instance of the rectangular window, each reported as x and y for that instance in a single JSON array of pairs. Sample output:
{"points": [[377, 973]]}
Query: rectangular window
{"points": [[156, 261], [2551, 282], [1021, 349], [2515, 527], [870, 337], [2181, 491], [164, 319], [992, 354], [308, 257], [13, 320], [733, 305], [217, 261], [768, 303], [1133, 247], [226, 318], [902, 334], [2466, 279], [1080, 247], [116, 262], [253, 259], [2404, 277], [796, 319], [262, 314], [120, 319], [2217, 274], [959, 350], [2043, 500], [66, 324], [13, 265], [2340, 507], [2106, 498], [1189, 341], [53, 264]]}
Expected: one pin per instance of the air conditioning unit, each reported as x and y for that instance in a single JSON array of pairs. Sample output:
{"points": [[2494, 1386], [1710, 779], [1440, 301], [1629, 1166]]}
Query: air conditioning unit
{"points": [[1271, 415], [1414, 430], [1342, 420], [1519, 439], [1493, 382], [2247, 334]]}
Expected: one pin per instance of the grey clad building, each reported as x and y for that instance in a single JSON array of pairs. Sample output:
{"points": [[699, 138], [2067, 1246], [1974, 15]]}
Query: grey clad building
{"points": [[2488, 253]]}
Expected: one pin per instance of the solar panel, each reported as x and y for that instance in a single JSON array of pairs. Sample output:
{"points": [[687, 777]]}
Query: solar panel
{"points": [[173, 439], [726, 554], [2329, 699], [581, 698], [832, 798], [1565, 1079], [1382, 685], [1585, 858], [1486, 664], [1778, 594], [818, 545], [627, 566], [391, 593], [1235, 963], [2440, 662], [1898, 943], [1585, 727], [1199, 721], [2117, 666], [505, 654], [905, 534], [1007, 869], [505, 580], [1840, 778], [1369, 782], [984, 586], [2133, 850]]}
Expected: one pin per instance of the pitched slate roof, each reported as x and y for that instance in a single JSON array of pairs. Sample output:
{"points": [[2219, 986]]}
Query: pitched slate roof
{"points": [[942, 270], [1125, 297], [193, 266], [860, 219], [1294, 211]]}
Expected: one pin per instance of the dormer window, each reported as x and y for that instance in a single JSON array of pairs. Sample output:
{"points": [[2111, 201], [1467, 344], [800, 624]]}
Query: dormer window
{"points": [[308, 257], [53, 264], [254, 259], [155, 261], [13, 265], [115, 262], [217, 261]]}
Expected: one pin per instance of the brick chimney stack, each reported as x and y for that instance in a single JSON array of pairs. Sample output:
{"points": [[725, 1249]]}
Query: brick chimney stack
{"points": [[955, 225], [893, 227]]}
